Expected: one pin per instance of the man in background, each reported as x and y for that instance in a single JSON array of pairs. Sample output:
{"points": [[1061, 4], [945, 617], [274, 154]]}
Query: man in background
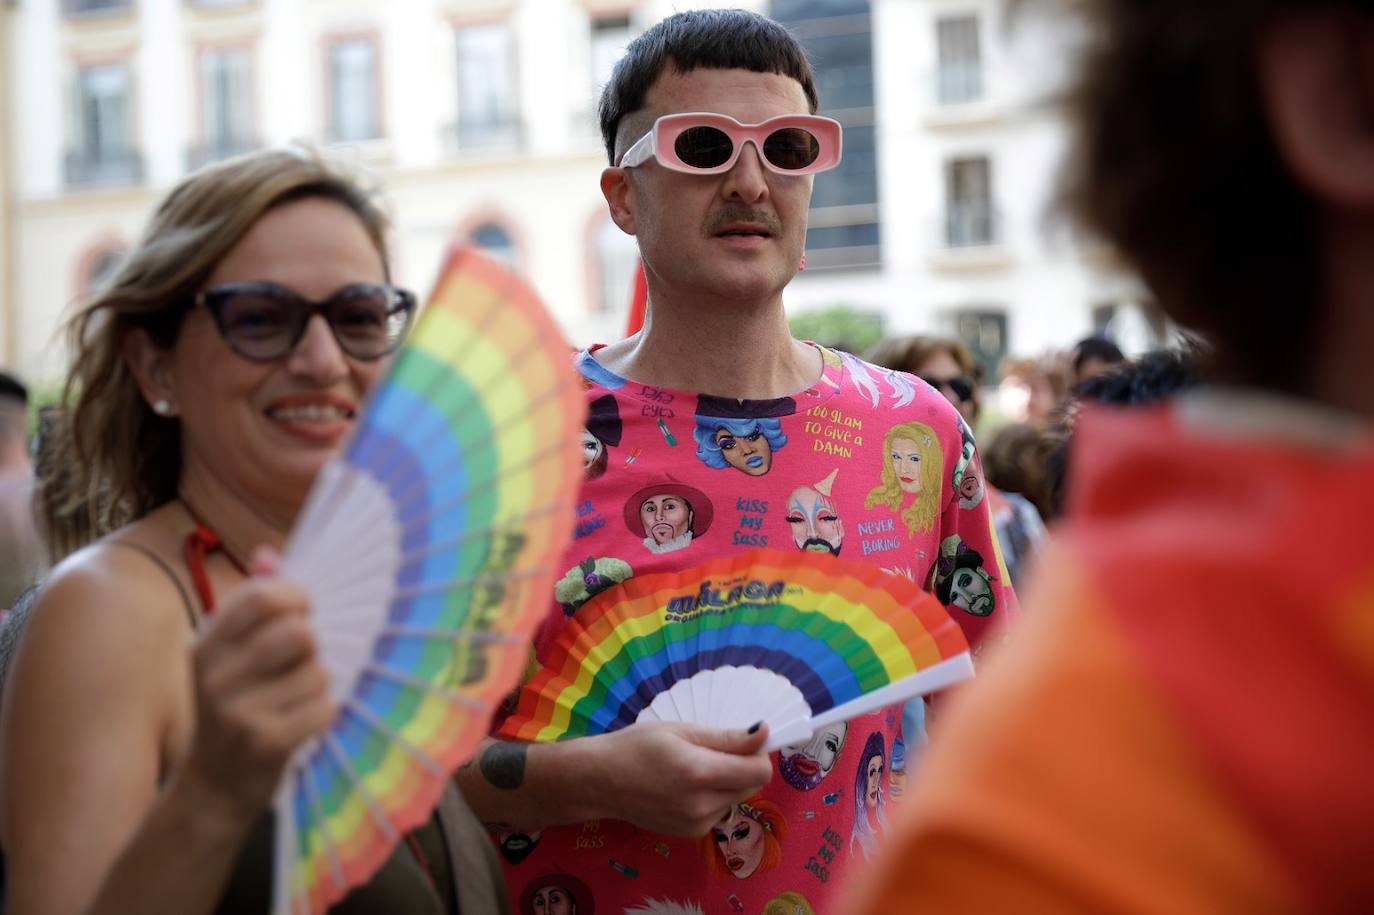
{"points": [[20, 551]]}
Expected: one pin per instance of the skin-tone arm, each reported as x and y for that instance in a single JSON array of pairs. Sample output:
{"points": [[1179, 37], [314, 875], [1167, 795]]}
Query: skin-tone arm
{"points": [[89, 712], [675, 779]]}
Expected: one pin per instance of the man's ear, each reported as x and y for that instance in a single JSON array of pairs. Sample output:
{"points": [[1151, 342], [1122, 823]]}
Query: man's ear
{"points": [[151, 366], [1316, 74], [616, 188]]}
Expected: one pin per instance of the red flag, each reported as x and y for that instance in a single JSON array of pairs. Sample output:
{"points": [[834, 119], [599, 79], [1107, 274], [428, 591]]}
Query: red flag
{"points": [[639, 300]]}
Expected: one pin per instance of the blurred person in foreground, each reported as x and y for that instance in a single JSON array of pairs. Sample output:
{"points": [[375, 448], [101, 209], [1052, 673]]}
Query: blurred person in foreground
{"points": [[947, 365], [732, 435], [1190, 725], [21, 551], [164, 675]]}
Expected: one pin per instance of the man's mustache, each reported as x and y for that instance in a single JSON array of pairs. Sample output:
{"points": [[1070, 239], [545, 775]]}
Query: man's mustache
{"points": [[734, 212]]}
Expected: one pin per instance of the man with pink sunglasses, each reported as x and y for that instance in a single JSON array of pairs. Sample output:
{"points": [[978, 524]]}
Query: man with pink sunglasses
{"points": [[713, 140]]}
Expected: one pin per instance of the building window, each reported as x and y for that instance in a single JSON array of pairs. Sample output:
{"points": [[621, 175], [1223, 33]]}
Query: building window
{"points": [[488, 114], [226, 105], [616, 257], [495, 242], [610, 35], [353, 90], [984, 332], [970, 217], [81, 7], [103, 151], [844, 228], [959, 73]]}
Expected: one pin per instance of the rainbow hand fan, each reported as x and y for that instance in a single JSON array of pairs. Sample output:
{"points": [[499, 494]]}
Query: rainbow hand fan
{"points": [[797, 640], [429, 549]]}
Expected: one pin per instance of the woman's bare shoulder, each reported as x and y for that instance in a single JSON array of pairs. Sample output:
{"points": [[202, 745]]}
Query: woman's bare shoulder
{"points": [[115, 589]]}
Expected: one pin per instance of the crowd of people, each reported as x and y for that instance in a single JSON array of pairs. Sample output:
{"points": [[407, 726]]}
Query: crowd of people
{"points": [[1180, 723]]}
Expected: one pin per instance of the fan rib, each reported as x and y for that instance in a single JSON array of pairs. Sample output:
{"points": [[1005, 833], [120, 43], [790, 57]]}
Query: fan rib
{"points": [[427, 634], [374, 807], [423, 395], [312, 797], [415, 493], [377, 724], [453, 696], [465, 584], [413, 558]]}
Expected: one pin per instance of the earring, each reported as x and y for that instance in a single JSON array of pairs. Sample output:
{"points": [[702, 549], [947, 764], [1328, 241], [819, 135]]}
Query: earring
{"points": [[162, 408], [802, 265]]}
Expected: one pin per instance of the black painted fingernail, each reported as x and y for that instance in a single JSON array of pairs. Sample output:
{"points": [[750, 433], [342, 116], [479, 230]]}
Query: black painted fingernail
{"points": [[755, 728]]}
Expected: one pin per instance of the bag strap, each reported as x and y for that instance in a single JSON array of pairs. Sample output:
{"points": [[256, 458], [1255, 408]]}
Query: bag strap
{"points": [[170, 572], [475, 869]]}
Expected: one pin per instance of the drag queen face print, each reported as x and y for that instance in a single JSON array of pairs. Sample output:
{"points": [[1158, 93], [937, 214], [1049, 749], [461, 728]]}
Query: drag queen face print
{"points": [[743, 434], [870, 803], [744, 444], [961, 580], [967, 480], [556, 894], [747, 840], [669, 515], [517, 846], [912, 470], [814, 518], [805, 765], [603, 431]]}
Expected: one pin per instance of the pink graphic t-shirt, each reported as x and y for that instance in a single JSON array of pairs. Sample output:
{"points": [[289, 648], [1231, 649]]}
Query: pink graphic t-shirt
{"points": [[865, 464]]}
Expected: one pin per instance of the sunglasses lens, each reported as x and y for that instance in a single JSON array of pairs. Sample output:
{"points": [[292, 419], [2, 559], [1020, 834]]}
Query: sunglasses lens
{"points": [[791, 148], [258, 324], [368, 321], [960, 386], [703, 147]]}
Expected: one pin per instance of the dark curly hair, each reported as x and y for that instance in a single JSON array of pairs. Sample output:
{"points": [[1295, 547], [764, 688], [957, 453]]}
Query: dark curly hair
{"points": [[1176, 164]]}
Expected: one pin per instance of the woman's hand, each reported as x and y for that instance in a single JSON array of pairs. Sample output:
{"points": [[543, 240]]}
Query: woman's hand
{"points": [[261, 690]]}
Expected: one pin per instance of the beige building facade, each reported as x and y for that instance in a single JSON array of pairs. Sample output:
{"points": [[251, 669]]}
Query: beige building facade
{"points": [[478, 118]]}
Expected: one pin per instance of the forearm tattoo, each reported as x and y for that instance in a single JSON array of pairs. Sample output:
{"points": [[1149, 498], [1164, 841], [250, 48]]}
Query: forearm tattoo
{"points": [[503, 765]]}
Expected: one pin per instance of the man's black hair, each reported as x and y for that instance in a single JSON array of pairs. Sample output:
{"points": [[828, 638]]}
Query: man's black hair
{"points": [[1155, 377], [1096, 348], [715, 39], [12, 387]]}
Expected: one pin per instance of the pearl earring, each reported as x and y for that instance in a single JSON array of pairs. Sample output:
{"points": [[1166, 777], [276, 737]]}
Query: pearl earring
{"points": [[162, 408]]}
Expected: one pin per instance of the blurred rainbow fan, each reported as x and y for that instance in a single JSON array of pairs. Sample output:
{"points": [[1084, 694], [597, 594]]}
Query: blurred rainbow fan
{"points": [[428, 549], [796, 640]]}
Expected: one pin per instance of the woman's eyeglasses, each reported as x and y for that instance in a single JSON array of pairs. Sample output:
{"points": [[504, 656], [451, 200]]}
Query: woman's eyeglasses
{"points": [[264, 321], [703, 143], [961, 386]]}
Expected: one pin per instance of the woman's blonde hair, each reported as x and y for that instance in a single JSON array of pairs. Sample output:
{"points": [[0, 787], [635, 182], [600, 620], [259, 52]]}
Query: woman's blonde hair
{"points": [[111, 458], [920, 517]]}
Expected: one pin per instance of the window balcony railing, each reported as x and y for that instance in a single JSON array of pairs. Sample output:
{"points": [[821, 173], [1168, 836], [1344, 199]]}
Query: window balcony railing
{"points": [[201, 154], [481, 134], [76, 8], [959, 84], [972, 224], [102, 167]]}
